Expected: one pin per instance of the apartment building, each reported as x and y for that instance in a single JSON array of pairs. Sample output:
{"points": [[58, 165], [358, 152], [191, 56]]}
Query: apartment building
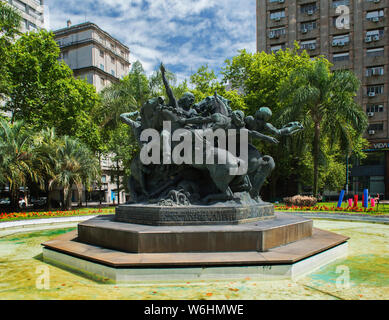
{"points": [[93, 54], [32, 12], [96, 56], [353, 35]]}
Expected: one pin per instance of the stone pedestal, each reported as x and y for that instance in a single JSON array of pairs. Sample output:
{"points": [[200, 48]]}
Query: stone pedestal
{"points": [[155, 243]]}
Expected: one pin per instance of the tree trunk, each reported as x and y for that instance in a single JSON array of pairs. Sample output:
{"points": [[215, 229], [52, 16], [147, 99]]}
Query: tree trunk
{"points": [[316, 153], [69, 200], [14, 198], [49, 199]]}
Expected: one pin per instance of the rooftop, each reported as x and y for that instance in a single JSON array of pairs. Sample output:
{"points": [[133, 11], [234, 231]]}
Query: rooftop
{"points": [[85, 26]]}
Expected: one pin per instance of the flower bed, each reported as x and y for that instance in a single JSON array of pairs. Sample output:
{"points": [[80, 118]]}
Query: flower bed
{"points": [[325, 208], [52, 214]]}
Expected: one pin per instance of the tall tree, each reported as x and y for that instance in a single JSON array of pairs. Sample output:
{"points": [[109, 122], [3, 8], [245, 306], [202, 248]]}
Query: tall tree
{"points": [[324, 102], [75, 165], [44, 93], [10, 22], [16, 154]]}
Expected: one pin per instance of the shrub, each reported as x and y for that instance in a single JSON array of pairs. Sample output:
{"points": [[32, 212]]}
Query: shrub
{"points": [[300, 201]]}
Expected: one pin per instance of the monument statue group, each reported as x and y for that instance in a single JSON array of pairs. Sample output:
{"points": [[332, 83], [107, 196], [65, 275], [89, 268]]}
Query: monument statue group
{"points": [[195, 202], [210, 171]]}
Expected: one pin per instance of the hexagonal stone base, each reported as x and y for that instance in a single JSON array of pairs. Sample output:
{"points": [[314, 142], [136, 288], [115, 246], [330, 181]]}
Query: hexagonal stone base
{"points": [[194, 215], [287, 262], [134, 238]]}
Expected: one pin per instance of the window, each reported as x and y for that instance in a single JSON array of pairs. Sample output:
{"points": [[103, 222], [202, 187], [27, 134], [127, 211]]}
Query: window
{"points": [[374, 71], [113, 72], [374, 35], [374, 108], [277, 32], [102, 81], [308, 45], [308, 9], [104, 179], [345, 56], [276, 48], [342, 21], [102, 67], [65, 55], [122, 64], [337, 3], [102, 53], [376, 52], [375, 90], [375, 16], [308, 26], [340, 40], [277, 15], [376, 32], [376, 127]]}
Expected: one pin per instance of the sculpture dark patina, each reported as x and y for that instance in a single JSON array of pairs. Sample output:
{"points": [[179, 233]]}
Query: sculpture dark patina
{"points": [[201, 184]]}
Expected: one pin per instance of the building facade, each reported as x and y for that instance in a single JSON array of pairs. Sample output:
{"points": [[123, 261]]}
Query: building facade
{"points": [[32, 12], [93, 54], [96, 56], [353, 35]]}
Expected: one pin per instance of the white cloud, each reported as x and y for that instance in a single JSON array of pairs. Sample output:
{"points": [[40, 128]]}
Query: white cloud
{"points": [[179, 32]]}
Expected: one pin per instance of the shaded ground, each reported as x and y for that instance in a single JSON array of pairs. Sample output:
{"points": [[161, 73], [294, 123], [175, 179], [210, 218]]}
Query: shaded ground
{"points": [[367, 267]]}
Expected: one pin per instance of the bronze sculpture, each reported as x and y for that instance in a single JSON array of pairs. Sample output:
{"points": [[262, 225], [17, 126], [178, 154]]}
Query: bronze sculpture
{"points": [[213, 179]]}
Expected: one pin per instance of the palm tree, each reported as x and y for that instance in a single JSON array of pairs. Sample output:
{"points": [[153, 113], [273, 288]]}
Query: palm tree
{"points": [[45, 161], [75, 165], [16, 154], [324, 102]]}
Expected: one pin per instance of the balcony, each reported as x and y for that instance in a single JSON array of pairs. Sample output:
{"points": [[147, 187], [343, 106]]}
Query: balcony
{"points": [[279, 4], [371, 80], [309, 34], [303, 17], [337, 46], [91, 41], [375, 60], [374, 41], [312, 50], [374, 23], [377, 4], [277, 39], [280, 22]]}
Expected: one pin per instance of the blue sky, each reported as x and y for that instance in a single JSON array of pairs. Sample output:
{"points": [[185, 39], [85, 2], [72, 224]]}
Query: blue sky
{"points": [[183, 34]]}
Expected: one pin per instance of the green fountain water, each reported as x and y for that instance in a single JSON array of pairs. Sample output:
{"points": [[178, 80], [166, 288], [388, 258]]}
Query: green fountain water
{"points": [[367, 267]]}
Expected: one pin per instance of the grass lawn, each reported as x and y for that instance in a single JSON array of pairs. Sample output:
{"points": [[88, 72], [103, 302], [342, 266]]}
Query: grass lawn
{"points": [[332, 208], [15, 216]]}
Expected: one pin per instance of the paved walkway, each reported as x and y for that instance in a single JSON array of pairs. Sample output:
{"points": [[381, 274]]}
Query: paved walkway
{"points": [[41, 222], [341, 216]]}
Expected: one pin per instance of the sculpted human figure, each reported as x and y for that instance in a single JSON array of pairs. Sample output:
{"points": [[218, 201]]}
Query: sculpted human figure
{"points": [[186, 102], [260, 123]]}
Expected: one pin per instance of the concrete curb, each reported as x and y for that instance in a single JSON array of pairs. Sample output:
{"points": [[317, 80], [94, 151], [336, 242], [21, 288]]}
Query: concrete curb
{"points": [[337, 216], [41, 222]]}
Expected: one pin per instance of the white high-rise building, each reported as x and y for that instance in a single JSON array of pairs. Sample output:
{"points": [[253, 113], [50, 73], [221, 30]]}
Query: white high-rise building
{"points": [[32, 12], [93, 54]]}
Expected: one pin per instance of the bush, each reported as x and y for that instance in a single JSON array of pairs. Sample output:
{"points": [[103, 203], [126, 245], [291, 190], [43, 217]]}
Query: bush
{"points": [[300, 201]]}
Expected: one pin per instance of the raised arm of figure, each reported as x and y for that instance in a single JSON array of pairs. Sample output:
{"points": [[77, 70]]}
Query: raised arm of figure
{"points": [[172, 99], [256, 135], [126, 118]]}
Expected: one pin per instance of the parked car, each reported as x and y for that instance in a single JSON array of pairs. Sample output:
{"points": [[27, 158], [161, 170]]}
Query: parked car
{"points": [[7, 202], [39, 203]]}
